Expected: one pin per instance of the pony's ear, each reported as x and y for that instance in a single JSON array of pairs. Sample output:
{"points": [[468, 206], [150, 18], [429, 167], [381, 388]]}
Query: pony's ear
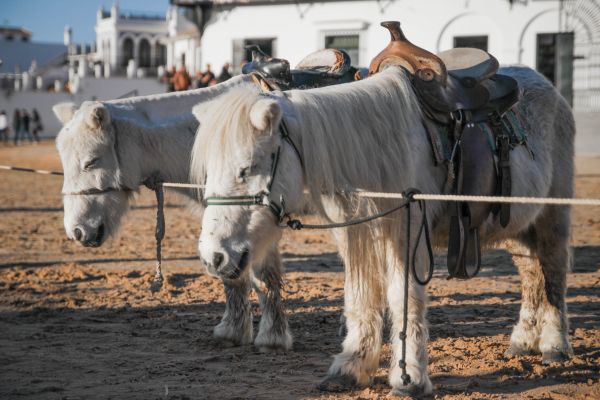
{"points": [[98, 116], [265, 114], [64, 111]]}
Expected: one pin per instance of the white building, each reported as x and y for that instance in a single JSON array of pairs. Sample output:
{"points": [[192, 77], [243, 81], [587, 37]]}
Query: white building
{"points": [[133, 40], [515, 31], [121, 37]]}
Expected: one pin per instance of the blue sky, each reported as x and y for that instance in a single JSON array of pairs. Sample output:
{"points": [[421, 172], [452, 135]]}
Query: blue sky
{"points": [[47, 18]]}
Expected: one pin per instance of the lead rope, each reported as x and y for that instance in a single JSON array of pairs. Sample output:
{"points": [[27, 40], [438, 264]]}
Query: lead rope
{"points": [[402, 363], [155, 185]]}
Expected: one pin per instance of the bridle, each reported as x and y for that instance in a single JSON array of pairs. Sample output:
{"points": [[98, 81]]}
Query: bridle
{"points": [[262, 198]]}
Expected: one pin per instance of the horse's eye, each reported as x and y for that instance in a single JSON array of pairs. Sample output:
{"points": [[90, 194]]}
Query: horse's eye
{"points": [[244, 172], [91, 163]]}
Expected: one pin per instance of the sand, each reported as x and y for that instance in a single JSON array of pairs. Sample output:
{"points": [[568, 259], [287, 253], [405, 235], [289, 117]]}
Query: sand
{"points": [[78, 323]]}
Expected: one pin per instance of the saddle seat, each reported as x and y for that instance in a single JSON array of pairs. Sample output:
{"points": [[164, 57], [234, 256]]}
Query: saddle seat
{"points": [[321, 68]]}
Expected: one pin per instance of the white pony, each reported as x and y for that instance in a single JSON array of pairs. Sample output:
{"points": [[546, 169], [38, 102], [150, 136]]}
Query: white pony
{"points": [[369, 135], [108, 149]]}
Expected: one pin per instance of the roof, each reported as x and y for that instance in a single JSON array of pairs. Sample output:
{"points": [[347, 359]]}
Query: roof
{"points": [[15, 29], [18, 53], [244, 2]]}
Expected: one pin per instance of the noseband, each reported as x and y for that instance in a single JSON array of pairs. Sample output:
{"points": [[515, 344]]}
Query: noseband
{"points": [[92, 191], [262, 198]]}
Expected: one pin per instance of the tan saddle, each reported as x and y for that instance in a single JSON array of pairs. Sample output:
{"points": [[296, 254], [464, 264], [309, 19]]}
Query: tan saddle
{"points": [[459, 88]]}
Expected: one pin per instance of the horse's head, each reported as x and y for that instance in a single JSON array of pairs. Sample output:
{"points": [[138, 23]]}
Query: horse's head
{"points": [[239, 153], [94, 196]]}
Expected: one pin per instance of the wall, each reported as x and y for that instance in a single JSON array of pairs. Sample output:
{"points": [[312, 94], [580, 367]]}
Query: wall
{"points": [[99, 89], [431, 24]]}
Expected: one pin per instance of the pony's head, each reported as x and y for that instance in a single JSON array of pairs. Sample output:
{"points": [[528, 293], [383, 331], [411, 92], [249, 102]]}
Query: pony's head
{"points": [[94, 196], [235, 153]]}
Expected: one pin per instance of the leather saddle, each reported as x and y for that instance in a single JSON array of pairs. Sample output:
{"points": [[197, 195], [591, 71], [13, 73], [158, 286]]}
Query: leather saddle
{"points": [[457, 89], [321, 68]]}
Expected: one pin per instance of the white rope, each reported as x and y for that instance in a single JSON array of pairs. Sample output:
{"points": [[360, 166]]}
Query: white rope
{"points": [[182, 185], [485, 199], [386, 195]]}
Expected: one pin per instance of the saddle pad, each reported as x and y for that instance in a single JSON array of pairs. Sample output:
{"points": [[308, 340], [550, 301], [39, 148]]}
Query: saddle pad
{"points": [[513, 124]]}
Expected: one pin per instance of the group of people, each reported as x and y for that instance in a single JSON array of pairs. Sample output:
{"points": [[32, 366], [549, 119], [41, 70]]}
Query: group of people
{"points": [[179, 79], [24, 126]]}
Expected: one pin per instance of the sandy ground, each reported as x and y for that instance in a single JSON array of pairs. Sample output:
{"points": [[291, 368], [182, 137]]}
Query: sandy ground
{"points": [[81, 323]]}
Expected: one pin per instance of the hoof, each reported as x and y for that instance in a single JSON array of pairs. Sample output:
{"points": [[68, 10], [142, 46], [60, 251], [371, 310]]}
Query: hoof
{"points": [[273, 343], [229, 338], [550, 357], [516, 351], [411, 390], [337, 383]]}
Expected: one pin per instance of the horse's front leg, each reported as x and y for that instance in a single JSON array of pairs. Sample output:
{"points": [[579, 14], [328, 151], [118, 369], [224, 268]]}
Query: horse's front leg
{"points": [[359, 359], [273, 332], [416, 333], [236, 325]]}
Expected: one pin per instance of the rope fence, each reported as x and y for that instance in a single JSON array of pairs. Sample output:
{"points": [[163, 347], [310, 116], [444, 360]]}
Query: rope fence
{"points": [[387, 195]]}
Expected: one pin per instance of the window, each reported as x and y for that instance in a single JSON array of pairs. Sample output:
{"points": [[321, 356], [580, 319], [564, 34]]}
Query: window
{"points": [[127, 51], [477, 42], [144, 61], [545, 60], [161, 54], [349, 43]]}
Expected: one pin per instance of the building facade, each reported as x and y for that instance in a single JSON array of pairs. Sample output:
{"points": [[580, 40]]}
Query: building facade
{"points": [[515, 31]]}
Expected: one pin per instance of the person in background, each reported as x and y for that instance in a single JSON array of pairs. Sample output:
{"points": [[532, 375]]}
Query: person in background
{"points": [[37, 125], [182, 80], [17, 126], [3, 126], [225, 74], [25, 125], [199, 82], [208, 76], [168, 79]]}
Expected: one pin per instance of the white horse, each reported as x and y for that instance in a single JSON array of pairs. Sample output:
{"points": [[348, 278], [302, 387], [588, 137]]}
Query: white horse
{"points": [[369, 135], [108, 149]]}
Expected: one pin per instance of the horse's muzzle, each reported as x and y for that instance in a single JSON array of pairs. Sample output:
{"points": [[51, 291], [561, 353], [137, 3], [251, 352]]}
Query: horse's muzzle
{"points": [[94, 241]]}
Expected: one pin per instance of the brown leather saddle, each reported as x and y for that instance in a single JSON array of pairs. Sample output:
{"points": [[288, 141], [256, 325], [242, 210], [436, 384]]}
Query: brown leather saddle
{"points": [[458, 89], [322, 68]]}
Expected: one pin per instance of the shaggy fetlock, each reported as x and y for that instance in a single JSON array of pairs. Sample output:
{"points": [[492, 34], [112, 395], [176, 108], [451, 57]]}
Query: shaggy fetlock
{"points": [[524, 340], [273, 340], [555, 346], [234, 334]]}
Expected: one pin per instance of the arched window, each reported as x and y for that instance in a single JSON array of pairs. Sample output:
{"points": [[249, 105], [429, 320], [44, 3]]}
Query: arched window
{"points": [[126, 51], [144, 60], [161, 54]]}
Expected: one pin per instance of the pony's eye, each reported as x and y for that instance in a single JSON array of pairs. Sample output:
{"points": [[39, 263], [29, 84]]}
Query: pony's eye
{"points": [[91, 163], [244, 172]]}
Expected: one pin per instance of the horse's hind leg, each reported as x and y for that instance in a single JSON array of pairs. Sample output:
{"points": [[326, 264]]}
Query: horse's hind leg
{"points": [[273, 331], [236, 325], [525, 335], [543, 324], [552, 234]]}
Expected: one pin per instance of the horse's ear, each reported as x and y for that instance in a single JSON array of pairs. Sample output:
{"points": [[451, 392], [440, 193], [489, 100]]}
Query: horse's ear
{"points": [[64, 111], [98, 116], [265, 114]]}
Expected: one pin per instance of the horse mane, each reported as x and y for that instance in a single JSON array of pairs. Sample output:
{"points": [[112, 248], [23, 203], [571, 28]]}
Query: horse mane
{"points": [[351, 135]]}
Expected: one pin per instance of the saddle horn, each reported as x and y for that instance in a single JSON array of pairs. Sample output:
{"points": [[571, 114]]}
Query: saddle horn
{"points": [[257, 53], [416, 60]]}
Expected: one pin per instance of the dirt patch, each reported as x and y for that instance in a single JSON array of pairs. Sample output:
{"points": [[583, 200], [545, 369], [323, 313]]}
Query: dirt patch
{"points": [[80, 323]]}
